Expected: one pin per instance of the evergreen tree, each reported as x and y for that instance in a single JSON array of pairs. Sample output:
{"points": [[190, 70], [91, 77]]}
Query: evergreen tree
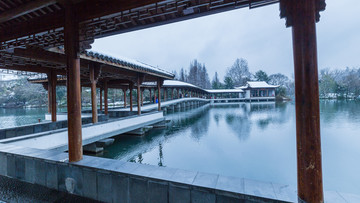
{"points": [[261, 76], [228, 83]]}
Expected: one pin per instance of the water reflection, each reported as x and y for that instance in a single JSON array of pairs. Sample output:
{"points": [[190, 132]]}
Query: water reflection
{"points": [[255, 141]]}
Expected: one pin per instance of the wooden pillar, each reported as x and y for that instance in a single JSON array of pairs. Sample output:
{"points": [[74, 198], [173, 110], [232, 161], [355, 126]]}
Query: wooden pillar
{"points": [[150, 95], [159, 84], [101, 97], [165, 91], [138, 96], [172, 94], [131, 96], [93, 93], [302, 16], [154, 96], [52, 80], [49, 96], [106, 103], [142, 96], [71, 41], [124, 90]]}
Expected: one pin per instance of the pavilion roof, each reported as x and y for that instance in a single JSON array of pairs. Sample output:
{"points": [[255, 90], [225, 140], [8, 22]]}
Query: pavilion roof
{"points": [[217, 91], [257, 84], [42, 61]]}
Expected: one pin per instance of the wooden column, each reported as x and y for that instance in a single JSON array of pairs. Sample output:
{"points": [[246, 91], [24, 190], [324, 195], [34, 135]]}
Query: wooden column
{"points": [[131, 86], [52, 80], [71, 41], [302, 16], [124, 90], [49, 96], [154, 96], [159, 84], [165, 91], [106, 103], [142, 97], [138, 96], [150, 95], [101, 97], [172, 94], [93, 93]]}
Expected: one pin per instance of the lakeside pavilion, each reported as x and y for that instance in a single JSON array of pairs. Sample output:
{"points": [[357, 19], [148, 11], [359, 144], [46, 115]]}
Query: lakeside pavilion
{"points": [[75, 24]]}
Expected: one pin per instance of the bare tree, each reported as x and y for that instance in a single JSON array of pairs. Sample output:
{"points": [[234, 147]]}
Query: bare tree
{"points": [[239, 72]]}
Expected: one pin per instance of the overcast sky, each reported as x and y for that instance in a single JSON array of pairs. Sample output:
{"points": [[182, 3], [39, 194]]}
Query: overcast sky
{"points": [[257, 35]]}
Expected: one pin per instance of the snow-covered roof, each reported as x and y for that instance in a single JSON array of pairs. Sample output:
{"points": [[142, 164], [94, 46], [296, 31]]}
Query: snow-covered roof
{"points": [[120, 60], [257, 84], [173, 83], [177, 83], [225, 91]]}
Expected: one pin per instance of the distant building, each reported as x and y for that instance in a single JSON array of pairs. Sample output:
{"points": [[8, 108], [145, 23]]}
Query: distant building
{"points": [[259, 90]]}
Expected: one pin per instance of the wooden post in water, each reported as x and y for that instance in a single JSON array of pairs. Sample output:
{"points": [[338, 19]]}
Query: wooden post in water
{"points": [[124, 90], [131, 87], [302, 16], [93, 93], [72, 52], [106, 103]]}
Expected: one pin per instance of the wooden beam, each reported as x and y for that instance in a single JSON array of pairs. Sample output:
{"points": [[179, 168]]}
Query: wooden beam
{"points": [[85, 10], [25, 9], [34, 69], [41, 55], [72, 52]]}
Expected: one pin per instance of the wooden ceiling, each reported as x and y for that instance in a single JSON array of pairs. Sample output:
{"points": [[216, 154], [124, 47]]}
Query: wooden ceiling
{"points": [[40, 22]]}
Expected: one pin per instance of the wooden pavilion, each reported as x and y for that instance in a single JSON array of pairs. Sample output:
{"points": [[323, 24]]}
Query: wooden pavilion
{"points": [[74, 24]]}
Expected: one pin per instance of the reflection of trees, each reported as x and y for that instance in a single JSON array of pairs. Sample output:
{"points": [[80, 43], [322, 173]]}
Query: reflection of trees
{"points": [[269, 113], [161, 156], [196, 119], [239, 124], [331, 109], [200, 128]]}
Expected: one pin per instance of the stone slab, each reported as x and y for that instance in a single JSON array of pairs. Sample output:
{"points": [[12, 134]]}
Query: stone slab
{"points": [[259, 189], [206, 180], [120, 188]]}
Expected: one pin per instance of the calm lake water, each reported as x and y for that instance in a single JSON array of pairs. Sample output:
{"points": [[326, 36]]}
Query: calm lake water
{"points": [[255, 141]]}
